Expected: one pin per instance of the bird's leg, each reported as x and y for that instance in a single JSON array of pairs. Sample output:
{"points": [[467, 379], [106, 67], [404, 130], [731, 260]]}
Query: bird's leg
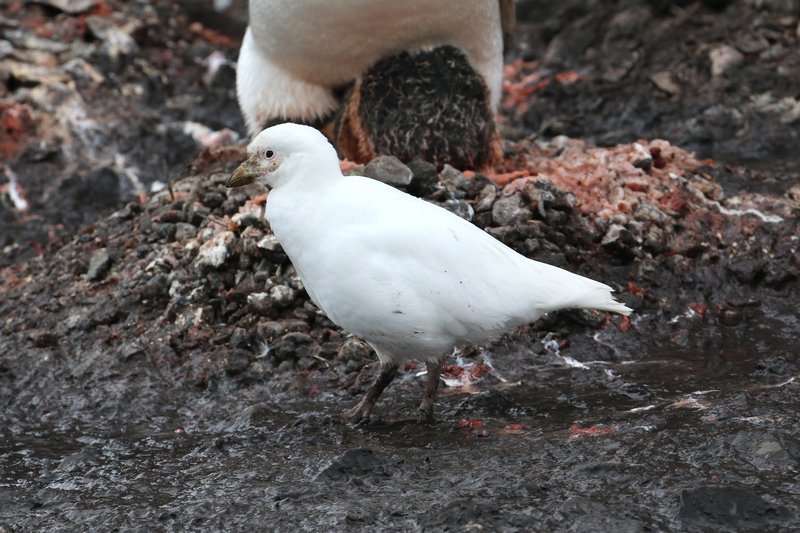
{"points": [[362, 411], [425, 410]]}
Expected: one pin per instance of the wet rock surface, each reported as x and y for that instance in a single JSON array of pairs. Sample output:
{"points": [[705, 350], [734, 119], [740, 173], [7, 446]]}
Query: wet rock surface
{"points": [[161, 365]]}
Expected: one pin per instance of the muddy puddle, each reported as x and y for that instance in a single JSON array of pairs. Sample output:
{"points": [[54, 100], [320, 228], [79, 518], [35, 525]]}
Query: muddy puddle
{"points": [[663, 427]]}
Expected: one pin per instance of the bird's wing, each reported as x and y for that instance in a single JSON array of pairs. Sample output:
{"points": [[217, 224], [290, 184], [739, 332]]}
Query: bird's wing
{"points": [[409, 257]]}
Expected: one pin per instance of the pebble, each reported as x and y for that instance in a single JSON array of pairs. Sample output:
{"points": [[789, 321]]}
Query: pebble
{"points": [[239, 339], [724, 58], [508, 210], [184, 231], [664, 81], [486, 198], [213, 199], [215, 252], [354, 349], [453, 178], [425, 179], [647, 212], [269, 243], [259, 302], [619, 240], [281, 296], [99, 265], [389, 170], [246, 219]]}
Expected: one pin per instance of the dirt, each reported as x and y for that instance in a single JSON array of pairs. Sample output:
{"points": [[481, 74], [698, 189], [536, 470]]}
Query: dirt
{"points": [[161, 366]]}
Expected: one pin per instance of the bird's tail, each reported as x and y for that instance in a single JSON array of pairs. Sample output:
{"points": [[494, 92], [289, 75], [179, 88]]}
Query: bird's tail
{"points": [[569, 290], [600, 298]]}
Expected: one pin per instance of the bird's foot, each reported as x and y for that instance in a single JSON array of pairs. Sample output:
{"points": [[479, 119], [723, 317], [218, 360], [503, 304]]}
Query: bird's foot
{"points": [[358, 415]]}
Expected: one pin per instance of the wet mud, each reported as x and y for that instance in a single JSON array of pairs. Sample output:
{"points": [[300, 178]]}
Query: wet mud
{"points": [[162, 368]]}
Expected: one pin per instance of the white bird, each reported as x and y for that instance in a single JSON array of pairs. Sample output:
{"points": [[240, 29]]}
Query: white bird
{"points": [[296, 52], [410, 278]]}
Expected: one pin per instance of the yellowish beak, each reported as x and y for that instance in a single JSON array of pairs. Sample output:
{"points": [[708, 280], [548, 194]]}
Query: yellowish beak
{"points": [[245, 174]]}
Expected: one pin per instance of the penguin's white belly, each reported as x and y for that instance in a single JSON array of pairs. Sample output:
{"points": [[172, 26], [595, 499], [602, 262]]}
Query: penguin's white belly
{"points": [[330, 42]]}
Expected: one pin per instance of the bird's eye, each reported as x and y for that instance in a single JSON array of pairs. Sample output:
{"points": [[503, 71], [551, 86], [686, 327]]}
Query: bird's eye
{"points": [[269, 154]]}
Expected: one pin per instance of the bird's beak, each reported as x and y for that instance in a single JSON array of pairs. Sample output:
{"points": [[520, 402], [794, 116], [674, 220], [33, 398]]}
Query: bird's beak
{"points": [[245, 174]]}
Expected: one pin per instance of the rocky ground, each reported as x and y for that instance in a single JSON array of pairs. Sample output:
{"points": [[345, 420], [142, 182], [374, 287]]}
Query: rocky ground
{"points": [[161, 365]]}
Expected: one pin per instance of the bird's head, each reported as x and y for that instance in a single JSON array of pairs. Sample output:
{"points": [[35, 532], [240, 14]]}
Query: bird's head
{"points": [[285, 152]]}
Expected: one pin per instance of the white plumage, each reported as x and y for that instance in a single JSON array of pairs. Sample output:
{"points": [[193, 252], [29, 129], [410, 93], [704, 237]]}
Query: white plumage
{"points": [[296, 51], [409, 277]]}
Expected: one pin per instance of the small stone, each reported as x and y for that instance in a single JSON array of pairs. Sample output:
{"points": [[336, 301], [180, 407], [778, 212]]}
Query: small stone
{"points": [[508, 210], [281, 295], [461, 209], [644, 159], [156, 287], [655, 239], [213, 200], [354, 349], [486, 198], [425, 179], [269, 243], [663, 80], [165, 230], [389, 170], [198, 214], [184, 231], [259, 302], [99, 265], [239, 339], [617, 234], [215, 252], [650, 213], [724, 58], [247, 219], [453, 178]]}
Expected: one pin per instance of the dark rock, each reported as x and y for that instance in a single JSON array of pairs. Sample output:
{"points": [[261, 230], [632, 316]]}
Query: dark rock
{"points": [[354, 349], [509, 210], [620, 241], [184, 231], [425, 179], [157, 287], [389, 170], [260, 302], [213, 200], [198, 214], [461, 209], [240, 339], [452, 178], [165, 230]]}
